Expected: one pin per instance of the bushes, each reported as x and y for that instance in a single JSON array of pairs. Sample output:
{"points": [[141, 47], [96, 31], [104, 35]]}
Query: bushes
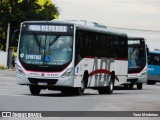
{"points": [[2, 67]]}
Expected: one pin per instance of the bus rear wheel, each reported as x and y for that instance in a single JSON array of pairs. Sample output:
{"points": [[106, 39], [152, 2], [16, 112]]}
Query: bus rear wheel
{"points": [[108, 89], [35, 90], [131, 86]]}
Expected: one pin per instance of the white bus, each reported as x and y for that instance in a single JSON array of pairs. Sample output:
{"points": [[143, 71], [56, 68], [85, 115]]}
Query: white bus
{"points": [[137, 62], [70, 56]]}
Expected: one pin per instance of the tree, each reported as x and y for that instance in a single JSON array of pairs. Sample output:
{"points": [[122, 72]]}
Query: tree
{"points": [[17, 11], [1, 34]]}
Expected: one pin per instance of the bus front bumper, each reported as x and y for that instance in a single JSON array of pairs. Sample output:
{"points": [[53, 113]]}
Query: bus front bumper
{"points": [[25, 80]]}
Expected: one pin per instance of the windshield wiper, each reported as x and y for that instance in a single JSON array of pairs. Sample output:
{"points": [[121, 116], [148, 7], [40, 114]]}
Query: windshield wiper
{"points": [[35, 36], [54, 40]]}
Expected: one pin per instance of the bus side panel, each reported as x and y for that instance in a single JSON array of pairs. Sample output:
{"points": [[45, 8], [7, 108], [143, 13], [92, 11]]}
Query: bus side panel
{"points": [[121, 71], [154, 69], [100, 71], [153, 72], [154, 77], [77, 80]]}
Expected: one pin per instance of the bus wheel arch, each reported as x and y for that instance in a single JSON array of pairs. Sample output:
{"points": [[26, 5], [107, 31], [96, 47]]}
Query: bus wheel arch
{"points": [[85, 78], [84, 82], [110, 87], [111, 83], [113, 76]]}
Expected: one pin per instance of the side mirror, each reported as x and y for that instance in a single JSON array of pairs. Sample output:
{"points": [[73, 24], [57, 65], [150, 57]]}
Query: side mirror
{"points": [[14, 38], [147, 50]]}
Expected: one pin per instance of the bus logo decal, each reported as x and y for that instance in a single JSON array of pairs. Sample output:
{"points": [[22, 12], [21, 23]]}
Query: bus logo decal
{"points": [[22, 55], [98, 69], [102, 71]]}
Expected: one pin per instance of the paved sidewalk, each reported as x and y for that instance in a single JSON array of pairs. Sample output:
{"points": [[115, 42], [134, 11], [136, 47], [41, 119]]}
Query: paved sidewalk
{"points": [[8, 72]]}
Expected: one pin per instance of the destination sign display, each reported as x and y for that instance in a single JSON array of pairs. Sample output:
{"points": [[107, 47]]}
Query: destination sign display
{"points": [[130, 42], [42, 27], [48, 28]]}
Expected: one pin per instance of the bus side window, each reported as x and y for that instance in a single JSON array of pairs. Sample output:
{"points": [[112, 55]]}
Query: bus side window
{"points": [[89, 45], [108, 46], [79, 46], [122, 44]]}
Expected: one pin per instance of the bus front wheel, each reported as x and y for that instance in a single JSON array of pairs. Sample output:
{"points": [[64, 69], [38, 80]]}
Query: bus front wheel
{"points": [[80, 90], [35, 90], [84, 82], [139, 86]]}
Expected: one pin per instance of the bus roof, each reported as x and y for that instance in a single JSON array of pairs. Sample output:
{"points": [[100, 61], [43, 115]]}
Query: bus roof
{"points": [[82, 24], [154, 50], [135, 38]]}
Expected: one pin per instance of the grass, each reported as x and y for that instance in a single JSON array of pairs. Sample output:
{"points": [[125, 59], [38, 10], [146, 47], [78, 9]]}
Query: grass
{"points": [[2, 67]]}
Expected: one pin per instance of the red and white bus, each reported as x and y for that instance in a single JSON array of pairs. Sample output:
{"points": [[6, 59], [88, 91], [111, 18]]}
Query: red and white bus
{"points": [[70, 56]]}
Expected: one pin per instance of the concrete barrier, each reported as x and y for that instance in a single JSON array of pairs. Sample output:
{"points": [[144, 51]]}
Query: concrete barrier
{"points": [[3, 59]]}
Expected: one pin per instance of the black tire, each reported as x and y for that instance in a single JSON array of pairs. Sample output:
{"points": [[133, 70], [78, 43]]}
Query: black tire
{"points": [[79, 90], [126, 86], [149, 82], [35, 90], [139, 86], [131, 86], [108, 89], [84, 82]]}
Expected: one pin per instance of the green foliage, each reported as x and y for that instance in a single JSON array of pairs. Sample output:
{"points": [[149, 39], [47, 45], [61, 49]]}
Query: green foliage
{"points": [[2, 67], [17, 11]]}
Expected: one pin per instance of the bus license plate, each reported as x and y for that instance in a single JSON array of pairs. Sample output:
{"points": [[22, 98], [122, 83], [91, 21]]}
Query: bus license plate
{"points": [[42, 83]]}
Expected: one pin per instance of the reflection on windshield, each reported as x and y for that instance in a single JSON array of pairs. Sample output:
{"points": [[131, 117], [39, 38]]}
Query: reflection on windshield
{"points": [[45, 49], [136, 56], [154, 59]]}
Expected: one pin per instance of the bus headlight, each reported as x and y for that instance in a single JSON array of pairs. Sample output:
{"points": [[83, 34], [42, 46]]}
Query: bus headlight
{"points": [[67, 73], [19, 70]]}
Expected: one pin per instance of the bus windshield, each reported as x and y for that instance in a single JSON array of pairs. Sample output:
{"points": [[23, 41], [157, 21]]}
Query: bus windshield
{"points": [[45, 50], [154, 59], [136, 55]]}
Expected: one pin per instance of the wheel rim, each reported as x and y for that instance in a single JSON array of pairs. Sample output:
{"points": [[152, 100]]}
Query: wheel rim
{"points": [[111, 85], [82, 86]]}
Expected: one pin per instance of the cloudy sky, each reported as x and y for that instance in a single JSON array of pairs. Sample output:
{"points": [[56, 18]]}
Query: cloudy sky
{"points": [[137, 14], [132, 14]]}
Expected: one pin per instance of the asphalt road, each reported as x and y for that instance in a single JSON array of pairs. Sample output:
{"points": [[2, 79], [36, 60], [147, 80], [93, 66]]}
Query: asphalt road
{"points": [[14, 97]]}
